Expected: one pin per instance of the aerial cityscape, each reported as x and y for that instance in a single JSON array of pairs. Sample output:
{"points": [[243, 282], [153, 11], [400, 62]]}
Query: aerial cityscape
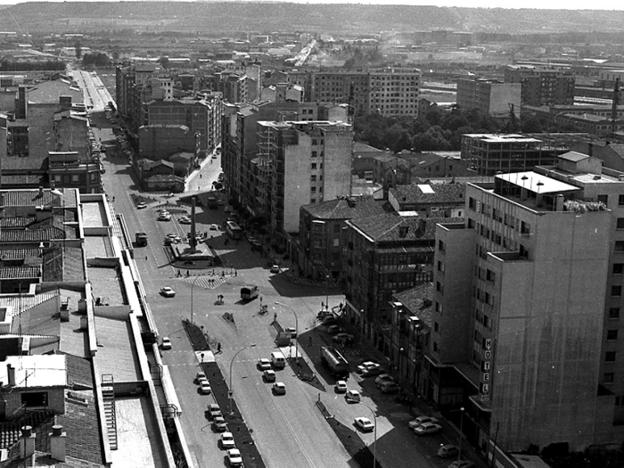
{"points": [[311, 235]]}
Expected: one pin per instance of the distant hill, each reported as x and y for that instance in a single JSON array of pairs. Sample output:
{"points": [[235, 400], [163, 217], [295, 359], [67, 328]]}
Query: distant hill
{"points": [[223, 17]]}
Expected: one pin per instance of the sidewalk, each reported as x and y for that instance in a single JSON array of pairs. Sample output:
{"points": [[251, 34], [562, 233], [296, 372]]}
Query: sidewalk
{"points": [[205, 183]]}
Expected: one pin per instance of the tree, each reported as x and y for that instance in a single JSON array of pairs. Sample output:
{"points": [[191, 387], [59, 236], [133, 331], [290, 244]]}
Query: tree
{"points": [[164, 61], [78, 48]]}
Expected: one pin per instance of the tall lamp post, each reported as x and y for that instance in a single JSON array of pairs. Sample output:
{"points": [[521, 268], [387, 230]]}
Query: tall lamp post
{"points": [[231, 391], [192, 288], [374, 434], [296, 328], [461, 432]]}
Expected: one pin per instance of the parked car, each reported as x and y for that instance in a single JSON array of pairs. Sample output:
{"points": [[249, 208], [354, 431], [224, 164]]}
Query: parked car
{"points": [[383, 378], [269, 375], [263, 364], [427, 429], [227, 441], [343, 338], [165, 343], [204, 387], [448, 451], [366, 365], [167, 292], [214, 411], [333, 329], [279, 388], [462, 464], [324, 314], [389, 387], [340, 387], [200, 376], [184, 220], [364, 424], [291, 331], [213, 227], [421, 420], [275, 269], [141, 205], [218, 424], [353, 396], [164, 216], [234, 458]]}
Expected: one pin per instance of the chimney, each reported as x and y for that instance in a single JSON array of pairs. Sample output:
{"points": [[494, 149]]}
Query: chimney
{"points": [[26, 442], [559, 202], [21, 103], [57, 442], [11, 375]]}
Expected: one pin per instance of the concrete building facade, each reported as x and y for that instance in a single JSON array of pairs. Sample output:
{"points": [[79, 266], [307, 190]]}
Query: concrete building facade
{"points": [[491, 97], [542, 86]]}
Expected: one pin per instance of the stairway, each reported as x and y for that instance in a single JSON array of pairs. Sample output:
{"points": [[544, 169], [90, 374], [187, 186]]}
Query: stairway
{"points": [[108, 395]]}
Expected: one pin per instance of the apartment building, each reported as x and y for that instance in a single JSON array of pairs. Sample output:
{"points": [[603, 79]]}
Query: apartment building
{"points": [[488, 153], [527, 298], [394, 91], [300, 163], [490, 97], [239, 142], [542, 86]]}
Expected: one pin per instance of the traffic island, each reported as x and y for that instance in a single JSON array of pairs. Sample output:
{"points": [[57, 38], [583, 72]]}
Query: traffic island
{"points": [[236, 423], [304, 372]]}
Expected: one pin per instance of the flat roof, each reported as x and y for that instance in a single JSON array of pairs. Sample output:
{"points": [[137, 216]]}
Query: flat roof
{"points": [[537, 183], [45, 370]]}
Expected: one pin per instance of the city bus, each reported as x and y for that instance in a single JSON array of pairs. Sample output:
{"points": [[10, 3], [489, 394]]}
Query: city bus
{"points": [[233, 230]]}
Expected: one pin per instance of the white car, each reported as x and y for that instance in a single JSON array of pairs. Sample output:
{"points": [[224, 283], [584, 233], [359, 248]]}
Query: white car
{"points": [[353, 396], [275, 269], [234, 458], [340, 387], [366, 365], [167, 292], [184, 220], [269, 375], [380, 379], [204, 387], [214, 411], [227, 441], [364, 424], [165, 343], [427, 428], [165, 216], [279, 388], [213, 227], [420, 420], [263, 364], [200, 376], [141, 205]]}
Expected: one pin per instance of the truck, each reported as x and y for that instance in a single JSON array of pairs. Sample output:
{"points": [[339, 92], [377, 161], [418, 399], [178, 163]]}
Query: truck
{"points": [[140, 239], [333, 360]]}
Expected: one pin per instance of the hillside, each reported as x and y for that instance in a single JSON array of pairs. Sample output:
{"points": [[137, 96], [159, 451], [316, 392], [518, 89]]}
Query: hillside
{"points": [[222, 17]]}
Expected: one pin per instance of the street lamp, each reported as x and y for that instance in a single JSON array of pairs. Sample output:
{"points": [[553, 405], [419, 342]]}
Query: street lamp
{"points": [[192, 287], [231, 392], [296, 328], [461, 432], [374, 434], [327, 291]]}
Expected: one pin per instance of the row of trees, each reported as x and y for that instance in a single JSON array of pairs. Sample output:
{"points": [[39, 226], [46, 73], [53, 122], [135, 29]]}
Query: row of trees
{"points": [[441, 130], [96, 59]]}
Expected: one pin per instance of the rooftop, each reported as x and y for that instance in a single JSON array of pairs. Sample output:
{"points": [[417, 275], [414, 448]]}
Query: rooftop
{"points": [[48, 92], [390, 227], [536, 183], [429, 193], [417, 301], [48, 370], [502, 138], [345, 208]]}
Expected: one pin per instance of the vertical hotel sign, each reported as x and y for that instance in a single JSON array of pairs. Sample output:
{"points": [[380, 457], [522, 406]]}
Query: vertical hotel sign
{"points": [[486, 368]]}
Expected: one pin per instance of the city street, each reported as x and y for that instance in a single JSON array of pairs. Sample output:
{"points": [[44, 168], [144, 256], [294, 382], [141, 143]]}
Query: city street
{"points": [[289, 430]]}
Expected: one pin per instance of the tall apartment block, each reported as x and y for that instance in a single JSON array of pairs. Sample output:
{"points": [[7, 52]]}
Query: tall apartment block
{"points": [[299, 163], [527, 302], [389, 91], [491, 97], [542, 86]]}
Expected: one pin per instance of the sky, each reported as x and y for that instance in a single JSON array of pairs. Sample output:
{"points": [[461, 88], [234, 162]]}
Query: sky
{"points": [[542, 4]]}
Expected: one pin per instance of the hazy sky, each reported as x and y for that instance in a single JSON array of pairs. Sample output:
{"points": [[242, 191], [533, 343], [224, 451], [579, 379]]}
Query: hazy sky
{"points": [[550, 4]]}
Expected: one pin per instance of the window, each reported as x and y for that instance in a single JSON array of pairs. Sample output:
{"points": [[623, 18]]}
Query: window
{"points": [[440, 266], [612, 334], [435, 346], [620, 223], [35, 399], [608, 377], [441, 246], [618, 268], [314, 154], [603, 198], [439, 287], [614, 312], [616, 290], [610, 356], [313, 165], [621, 200], [490, 276], [619, 246]]}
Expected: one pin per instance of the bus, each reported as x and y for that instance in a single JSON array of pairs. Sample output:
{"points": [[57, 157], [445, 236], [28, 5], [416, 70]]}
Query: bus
{"points": [[233, 230], [335, 362]]}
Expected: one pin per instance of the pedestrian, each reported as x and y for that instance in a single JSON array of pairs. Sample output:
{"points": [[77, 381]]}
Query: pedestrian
{"points": [[274, 317], [219, 347], [187, 273], [146, 258], [310, 341], [200, 176], [222, 274], [235, 273]]}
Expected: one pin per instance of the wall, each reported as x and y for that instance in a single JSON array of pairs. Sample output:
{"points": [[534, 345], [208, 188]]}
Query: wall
{"points": [[296, 180], [337, 164], [160, 142], [56, 399], [501, 96]]}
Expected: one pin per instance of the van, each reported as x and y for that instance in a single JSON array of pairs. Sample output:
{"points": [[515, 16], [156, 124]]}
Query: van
{"points": [[278, 361], [249, 293]]}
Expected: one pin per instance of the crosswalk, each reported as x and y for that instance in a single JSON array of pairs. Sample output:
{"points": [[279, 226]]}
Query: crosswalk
{"points": [[206, 282]]}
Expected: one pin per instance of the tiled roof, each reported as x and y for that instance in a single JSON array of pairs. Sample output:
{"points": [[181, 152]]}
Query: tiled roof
{"points": [[418, 300], [80, 422], [39, 235], [341, 208], [51, 91], [390, 227], [79, 371], [17, 254], [21, 180], [423, 159], [20, 272], [29, 198], [573, 156], [425, 193], [16, 221], [39, 319]]}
